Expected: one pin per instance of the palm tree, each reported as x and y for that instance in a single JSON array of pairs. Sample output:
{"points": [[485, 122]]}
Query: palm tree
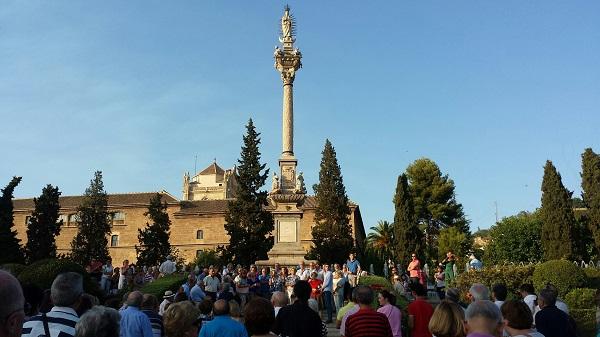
{"points": [[381, 240]]}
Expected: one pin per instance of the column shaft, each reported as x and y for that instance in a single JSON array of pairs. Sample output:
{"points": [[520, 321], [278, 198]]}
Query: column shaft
{"points": [[288, 120]]}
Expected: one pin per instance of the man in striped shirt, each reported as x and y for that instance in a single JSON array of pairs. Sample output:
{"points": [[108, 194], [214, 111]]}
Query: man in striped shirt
{"points": [[366, 321], [65, 292], [150, 308]]}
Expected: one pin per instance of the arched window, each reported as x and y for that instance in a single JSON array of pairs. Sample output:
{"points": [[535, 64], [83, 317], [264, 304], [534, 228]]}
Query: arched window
{"points": [[114, 240], [199, 234]]}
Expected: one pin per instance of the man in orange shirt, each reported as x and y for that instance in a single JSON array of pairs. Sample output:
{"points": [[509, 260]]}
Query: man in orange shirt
{"points": [[414, 268]]}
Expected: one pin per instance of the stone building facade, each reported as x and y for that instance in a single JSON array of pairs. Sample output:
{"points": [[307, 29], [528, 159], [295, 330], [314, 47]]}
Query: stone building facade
{"points": [[196, 225]]}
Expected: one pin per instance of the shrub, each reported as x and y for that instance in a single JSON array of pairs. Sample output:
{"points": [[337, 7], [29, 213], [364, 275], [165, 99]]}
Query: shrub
{"points": [[159, 286], [585, 319], [511, 276], [593, 277], [377, 283], [13, 268], [581, 298], [564, 275], [42, 273]]}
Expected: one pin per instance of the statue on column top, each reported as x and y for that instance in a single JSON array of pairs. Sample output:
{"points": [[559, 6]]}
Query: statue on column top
{"points": [[286, 23]]}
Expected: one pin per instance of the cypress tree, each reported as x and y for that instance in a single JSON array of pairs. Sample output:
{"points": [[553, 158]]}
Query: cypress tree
{"points": [[332, 233], [590, 184], [11, 247], [154, 239], [44, 225], [409, 238], [248, 224], [93, 224], [557, 216]]}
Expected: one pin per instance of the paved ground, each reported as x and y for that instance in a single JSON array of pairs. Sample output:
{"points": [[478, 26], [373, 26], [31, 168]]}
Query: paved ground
{"points": [[332, 331]]}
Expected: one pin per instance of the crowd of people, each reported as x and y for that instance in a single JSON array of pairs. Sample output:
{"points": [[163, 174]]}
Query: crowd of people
{"points": [[278, 301]]}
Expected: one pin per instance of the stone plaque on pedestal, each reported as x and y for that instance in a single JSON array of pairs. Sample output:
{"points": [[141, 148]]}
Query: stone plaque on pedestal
{"points": [[287, 230]]}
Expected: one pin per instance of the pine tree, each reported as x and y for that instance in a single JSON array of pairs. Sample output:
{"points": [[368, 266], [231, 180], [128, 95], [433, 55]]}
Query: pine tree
{"points": [[590, 183], [93, 224], [332, 232], [44, 225], [248, 224], [11, 247], [557, 216], [435, 203], [154, 239], [408, 236]]}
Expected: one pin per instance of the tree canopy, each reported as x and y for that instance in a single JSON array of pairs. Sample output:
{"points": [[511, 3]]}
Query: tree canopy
{"points": [[44, 225], [408, 235], [515, 239], [332, 232], [154, 239], [557, 216], [248, 224], [11, 247], [93, 224], [590, 184]]}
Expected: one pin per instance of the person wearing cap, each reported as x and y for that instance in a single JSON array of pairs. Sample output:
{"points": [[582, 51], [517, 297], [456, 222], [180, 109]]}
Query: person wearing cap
{"points": [[167, 299], [168, 267]]}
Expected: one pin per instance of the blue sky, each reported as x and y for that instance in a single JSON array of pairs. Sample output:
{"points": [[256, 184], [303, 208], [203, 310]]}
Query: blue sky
{"points": [[487, 89]]}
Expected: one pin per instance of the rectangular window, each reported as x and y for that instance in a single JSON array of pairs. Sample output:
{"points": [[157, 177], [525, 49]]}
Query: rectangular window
{"points": [[114, 240], [198, 253], [73, 219], [118, 218], [64, 218], [199, 234]]}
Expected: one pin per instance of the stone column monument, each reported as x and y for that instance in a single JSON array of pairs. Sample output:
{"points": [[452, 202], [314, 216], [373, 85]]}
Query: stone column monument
{"points": [[287, 189]]}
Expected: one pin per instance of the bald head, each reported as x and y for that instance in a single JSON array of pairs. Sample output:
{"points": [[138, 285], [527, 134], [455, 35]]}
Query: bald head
{"points": [[135, 299], [11, 306], [220, 308]]}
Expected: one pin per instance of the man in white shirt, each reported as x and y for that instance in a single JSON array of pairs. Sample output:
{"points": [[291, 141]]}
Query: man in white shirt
{"points": [[499, 293], [211, 284], [529, 297], [168, 267], [167, 299], [303, 273]]}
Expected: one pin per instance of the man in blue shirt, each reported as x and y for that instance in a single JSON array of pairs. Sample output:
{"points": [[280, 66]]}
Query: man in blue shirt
{"points": [[134, 323], [196, 293], [222, 324], [188, 285], [327, 292], [353, 269]]}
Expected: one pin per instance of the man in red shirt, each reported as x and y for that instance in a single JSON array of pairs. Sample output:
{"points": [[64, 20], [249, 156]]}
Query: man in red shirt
{"points": [[367, 322], [419, 312]]}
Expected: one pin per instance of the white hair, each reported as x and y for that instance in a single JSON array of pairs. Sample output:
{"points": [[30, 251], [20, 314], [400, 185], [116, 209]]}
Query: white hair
{"points": [[66, 289], [484, 309], [99, 321]]}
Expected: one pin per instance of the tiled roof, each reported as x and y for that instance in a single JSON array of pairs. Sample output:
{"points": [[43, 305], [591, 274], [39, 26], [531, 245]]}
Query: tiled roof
{"points": [[202, 207], [212, 169], [113, 200]]}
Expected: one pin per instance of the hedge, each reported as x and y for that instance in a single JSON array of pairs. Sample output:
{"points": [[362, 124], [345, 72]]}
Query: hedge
{"points": [[13, 268], [511, 276], [159, 286], [42, 273], [563, 274]]}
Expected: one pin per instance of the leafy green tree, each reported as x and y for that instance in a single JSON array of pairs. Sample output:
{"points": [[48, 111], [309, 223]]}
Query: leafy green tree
{"points": [[435, 203], [381, 240], [557, 216], [332, 233], [248, 224], [451, 239], [11, 247], [590, 183], [154, 239], [93, 224], [515, 239], [408, 235], [44, 225]]}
